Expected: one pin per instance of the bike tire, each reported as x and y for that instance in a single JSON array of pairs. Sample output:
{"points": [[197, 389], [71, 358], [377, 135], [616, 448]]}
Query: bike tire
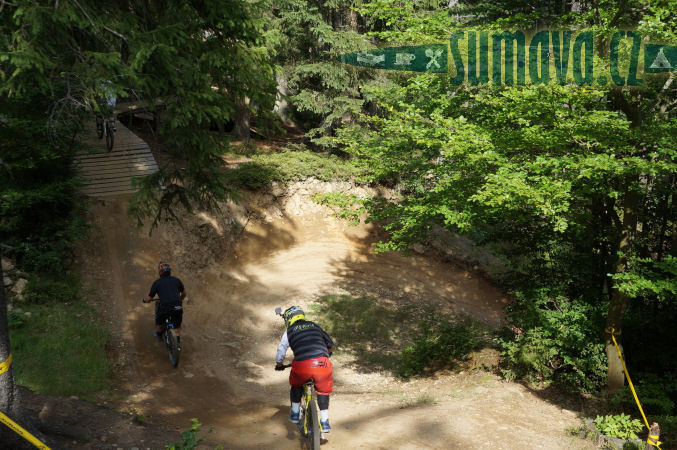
{"points": [[172, 347], [314, 435], [109, 138]]}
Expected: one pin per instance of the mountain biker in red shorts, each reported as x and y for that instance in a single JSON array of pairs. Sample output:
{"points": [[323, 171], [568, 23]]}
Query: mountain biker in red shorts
{"points": [[171, 293], [312, 348]]}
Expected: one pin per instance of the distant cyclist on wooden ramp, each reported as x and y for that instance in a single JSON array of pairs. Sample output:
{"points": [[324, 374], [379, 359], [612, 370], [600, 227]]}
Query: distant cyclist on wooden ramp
{"points": [[312, 348]]}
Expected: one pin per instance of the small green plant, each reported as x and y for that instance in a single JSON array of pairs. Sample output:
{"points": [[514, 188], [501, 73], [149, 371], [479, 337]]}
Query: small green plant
{"points": [[619, 426], [190, 438], [137, 418], [576, 430]]}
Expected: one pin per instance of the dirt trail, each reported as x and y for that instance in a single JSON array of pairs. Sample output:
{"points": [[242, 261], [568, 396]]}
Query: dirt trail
{"points": [[230, 334]]}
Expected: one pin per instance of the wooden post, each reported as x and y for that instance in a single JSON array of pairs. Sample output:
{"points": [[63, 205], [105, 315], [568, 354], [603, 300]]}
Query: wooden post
{"points": [[654, 435]]}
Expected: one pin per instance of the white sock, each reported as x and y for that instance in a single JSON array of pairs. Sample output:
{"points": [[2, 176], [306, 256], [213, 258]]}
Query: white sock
{"points": [[324, 415], [295, 407]]}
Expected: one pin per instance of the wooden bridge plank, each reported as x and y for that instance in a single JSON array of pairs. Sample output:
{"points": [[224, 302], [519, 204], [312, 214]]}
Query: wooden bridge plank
{"points": [[110, 173]]}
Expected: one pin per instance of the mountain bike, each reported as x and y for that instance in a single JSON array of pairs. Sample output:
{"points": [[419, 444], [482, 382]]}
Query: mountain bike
{"points": [[309, 420], [169, 338], [106, 127]]}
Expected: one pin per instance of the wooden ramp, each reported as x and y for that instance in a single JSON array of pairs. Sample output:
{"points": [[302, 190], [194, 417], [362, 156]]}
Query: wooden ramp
{"points": [[110, 173]]}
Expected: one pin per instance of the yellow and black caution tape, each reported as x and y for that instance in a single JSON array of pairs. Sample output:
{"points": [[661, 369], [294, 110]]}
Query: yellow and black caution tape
{"points": [[4, 367], [652, 439], [22, 432]]}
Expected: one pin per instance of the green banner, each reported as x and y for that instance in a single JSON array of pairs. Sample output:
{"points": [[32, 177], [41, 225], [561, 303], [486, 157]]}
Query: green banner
{"points": [[421, 58]]}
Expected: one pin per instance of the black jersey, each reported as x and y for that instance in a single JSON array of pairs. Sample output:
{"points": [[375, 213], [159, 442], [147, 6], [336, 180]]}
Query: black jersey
{"points": [[307, 340], [168, 290]]}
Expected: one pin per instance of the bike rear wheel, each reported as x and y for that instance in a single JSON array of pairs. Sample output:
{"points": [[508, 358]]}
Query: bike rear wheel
{"points": [[313, 424], [172, 347]]}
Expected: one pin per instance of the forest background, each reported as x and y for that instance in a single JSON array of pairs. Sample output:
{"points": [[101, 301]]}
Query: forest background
{"points": [[573, 188]]}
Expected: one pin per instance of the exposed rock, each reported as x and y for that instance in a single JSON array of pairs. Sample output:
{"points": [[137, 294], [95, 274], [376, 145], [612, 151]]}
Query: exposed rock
{"points": [[7, 265], [19, 286], [7, 281], [277, 189], [465, 250], [418, 248]]}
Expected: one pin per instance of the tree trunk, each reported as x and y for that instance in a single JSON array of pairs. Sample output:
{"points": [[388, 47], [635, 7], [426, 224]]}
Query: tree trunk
{"points": [[354, 24], [242, 121], [619, 301], [281, 105], [9, 395]]}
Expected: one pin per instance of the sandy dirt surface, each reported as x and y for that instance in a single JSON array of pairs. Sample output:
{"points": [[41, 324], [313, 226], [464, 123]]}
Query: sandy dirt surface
{"points": [[225, 377]]}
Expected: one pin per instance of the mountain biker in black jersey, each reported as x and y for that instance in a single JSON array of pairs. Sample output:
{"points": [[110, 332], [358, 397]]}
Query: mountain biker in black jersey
{"points": [[170, 292], [312, 348]]}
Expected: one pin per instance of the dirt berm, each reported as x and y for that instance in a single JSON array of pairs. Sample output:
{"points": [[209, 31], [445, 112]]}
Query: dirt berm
{"points": [[278, 248]]}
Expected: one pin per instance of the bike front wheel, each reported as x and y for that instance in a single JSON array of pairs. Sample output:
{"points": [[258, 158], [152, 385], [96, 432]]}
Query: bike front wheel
{"points": [[109, 138], [99, 128], [172, 347]]}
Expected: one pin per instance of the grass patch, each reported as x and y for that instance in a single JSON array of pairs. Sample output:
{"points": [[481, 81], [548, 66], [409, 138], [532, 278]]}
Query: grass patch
{"points": [[408, 340], [59, 348], [292, 164], [421, 400], [46, 290]]}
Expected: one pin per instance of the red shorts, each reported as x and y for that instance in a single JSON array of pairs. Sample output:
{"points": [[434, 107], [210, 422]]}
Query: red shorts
{"points": [[319, 369]]}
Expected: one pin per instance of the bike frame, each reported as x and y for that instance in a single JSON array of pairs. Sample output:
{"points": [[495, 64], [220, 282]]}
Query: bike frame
{"points": [[309, 423], [174, 353], [305, 406]]}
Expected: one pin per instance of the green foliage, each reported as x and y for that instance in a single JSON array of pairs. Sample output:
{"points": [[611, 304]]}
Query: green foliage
{"points": [[408, 21], [190, 438], [39, 208], [196, 61], [618, 426], [551, 341], [323, 93], [60, 349], [649, 278], [655, 392], [439, 342], [347, 206], [46, 290]]}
